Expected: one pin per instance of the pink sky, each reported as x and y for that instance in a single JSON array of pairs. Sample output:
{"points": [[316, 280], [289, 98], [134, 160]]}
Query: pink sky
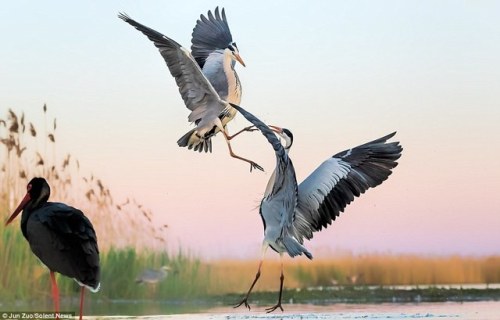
{"points": [[344, 75]]}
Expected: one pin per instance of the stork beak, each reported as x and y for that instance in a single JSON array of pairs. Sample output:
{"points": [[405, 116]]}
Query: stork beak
{"points": [[19, 208], [238, 58], [276, 129]]}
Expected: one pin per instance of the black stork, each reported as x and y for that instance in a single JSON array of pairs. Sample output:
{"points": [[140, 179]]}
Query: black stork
{"points": [[61, 237]]}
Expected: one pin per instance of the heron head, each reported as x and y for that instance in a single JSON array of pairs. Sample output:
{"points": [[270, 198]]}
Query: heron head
{"points": [[37, 191], [285, 134], [235, 54]]}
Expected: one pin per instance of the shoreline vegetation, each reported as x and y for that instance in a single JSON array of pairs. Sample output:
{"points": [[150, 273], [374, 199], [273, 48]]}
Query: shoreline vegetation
{"points": [[26, 151], [29, 149]]}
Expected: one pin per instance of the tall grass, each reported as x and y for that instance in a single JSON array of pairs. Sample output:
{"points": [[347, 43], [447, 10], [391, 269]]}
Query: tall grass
{"points": [[129, 241], [127, 237], [377, 269], [26, 152], [24, 278]]}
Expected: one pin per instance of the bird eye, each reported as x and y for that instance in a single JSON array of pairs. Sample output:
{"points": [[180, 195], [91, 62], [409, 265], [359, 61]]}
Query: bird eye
{"points": [[230, 47]]}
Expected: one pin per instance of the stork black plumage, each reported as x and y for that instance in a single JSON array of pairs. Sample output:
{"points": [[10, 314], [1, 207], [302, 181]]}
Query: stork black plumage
{"points": [[62, 237]]}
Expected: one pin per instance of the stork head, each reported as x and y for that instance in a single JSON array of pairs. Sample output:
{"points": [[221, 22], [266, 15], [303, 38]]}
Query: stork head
{"points": [[234, 53], [285, 134], [38, 192]]}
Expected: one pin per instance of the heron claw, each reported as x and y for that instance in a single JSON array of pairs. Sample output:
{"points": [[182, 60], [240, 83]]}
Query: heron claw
{"points": [[251, 128], [254, 165], [245, 302], [271, 309]]}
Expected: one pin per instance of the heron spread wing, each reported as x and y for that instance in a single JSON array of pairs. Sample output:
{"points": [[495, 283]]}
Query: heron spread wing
{"points": [[337, 181], [196, 91], [210, 34]]}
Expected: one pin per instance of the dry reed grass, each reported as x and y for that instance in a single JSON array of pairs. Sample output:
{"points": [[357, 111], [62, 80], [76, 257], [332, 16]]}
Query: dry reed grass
{"points": [[26, 152], [378, 269]]}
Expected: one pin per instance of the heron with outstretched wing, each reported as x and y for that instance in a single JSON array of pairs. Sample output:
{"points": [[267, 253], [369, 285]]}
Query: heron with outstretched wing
{"points": [[291, 212], [206, 78]]}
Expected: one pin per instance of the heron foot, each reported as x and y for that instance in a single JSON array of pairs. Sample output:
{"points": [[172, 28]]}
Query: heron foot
{"points": [[251, 128], [254, 165], [271, 309], [245, 302]]}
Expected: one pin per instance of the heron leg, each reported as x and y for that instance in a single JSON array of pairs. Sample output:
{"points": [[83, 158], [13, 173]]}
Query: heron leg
{"points": [[82, 294], [253, 165], [282, 278], [257, 276], [55, 292], [245, 300], [249, 129]]}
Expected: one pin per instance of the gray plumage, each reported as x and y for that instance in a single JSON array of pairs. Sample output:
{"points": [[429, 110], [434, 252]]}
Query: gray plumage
{"points": [[206, 79], [198, 94], [153, 276], [210, 34], [292, 212]]}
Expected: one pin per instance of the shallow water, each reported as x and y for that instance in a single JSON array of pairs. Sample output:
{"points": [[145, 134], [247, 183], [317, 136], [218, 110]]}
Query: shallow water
{"points": [[483, 310]]}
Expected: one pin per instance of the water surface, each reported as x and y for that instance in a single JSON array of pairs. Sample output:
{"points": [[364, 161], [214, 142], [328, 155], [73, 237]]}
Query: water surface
{"points": [[483, 310]]}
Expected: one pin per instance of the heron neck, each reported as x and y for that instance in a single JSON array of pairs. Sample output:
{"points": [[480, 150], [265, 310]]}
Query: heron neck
{"points": [[270, 184], [233, 82]]}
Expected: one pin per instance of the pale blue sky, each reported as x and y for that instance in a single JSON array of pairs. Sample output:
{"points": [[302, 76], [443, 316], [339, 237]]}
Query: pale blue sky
{"points": [[337, 73]]}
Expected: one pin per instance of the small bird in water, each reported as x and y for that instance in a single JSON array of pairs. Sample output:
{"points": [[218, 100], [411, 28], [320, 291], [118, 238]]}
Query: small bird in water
{"points": [[291, 212], [61, 237], [153, 276]]}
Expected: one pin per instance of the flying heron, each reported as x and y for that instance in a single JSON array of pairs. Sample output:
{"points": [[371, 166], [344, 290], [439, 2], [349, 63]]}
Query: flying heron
{"points": [[61, 237], [291, 212], [206, 78]]}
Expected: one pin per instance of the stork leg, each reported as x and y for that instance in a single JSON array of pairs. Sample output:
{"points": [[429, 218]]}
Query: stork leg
{"points": [[82, 294], [55, 293], [253, 165], [257, 276], [282, 278]]}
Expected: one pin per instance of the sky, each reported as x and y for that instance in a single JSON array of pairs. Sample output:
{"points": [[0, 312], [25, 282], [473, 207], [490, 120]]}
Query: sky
{"points": [[336, 73]]}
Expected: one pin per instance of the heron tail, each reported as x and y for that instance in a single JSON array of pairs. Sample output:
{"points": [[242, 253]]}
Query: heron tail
{"points": [[294, 248], [191, 140]]}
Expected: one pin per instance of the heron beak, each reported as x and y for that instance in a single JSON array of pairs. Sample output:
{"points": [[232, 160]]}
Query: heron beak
{"points": [[276, 129], [19, 208], [238, 58]]}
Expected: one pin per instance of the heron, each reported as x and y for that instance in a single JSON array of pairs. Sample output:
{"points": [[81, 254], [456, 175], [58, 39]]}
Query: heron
{"points": [[206, 78], [291, 212], [153, 276], [62, 237]]}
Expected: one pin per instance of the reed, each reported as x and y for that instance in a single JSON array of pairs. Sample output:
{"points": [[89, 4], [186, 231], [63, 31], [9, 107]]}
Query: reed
{"points": [[24, 278], [26, 152], [373, 269]]}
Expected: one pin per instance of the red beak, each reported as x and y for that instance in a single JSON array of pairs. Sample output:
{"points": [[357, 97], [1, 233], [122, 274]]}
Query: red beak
{"points": [[19, 208]]}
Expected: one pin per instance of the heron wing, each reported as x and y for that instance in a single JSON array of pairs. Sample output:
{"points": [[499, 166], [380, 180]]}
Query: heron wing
{"points": [[198, 94], [210, 34], [325, 193]]}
